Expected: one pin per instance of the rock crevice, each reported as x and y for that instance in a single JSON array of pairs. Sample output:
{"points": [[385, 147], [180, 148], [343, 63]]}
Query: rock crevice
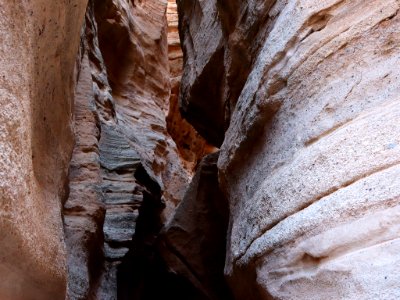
{"points": [[199, 149], [310, 129]]}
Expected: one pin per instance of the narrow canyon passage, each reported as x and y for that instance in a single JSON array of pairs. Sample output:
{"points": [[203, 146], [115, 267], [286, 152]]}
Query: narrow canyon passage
{"points": [[133, 159], [199, 149]]}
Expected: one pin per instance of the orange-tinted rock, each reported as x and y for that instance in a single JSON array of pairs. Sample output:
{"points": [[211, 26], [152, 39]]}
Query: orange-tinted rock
{"points": [[192, 147]]}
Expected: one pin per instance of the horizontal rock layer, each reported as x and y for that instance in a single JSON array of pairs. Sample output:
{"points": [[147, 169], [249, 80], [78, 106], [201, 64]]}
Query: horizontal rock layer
{"points": [[310, 158], [123, 150], [133, 42], [192, 147]]}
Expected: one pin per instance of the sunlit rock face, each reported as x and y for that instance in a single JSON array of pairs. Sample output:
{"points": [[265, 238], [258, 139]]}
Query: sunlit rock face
{"points": [[309, 161], [36, 142]]}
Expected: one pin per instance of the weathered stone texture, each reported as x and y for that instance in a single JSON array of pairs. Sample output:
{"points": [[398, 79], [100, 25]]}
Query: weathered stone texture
{"points": [[84, 209], [120, 123], [302, 97], [193, 243], [192, 147], [36, 142], [221, 40], [310, 160], [133, 41]]}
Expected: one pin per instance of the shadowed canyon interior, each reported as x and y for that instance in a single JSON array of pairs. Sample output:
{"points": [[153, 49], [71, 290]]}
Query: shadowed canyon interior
{"points": [[199, 149]]}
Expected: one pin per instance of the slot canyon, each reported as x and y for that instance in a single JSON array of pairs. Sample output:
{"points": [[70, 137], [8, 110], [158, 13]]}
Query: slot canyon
{"points": [[199, 149]]}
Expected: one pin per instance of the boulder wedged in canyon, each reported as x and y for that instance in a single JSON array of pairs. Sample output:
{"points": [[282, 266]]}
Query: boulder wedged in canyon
{"points": [[193, 242], [36, 142], [309, 162], [198, 98]]}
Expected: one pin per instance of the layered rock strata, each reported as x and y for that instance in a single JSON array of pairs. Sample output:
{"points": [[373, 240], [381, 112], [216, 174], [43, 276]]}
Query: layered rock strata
{"points": [[192, 147], [121, 133], [302, 98], [133, 41], [309, 161]]}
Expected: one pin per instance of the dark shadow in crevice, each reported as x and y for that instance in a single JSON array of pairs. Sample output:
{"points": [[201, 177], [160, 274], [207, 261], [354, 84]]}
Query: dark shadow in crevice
{"points": [[143, 275]]}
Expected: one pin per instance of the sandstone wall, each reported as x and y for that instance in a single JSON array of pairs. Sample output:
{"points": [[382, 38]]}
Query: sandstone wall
{"points": [[192, 147], [135, 50], [309, 162], [83, 119], [124, 162], [300, 96], [39, 42]]}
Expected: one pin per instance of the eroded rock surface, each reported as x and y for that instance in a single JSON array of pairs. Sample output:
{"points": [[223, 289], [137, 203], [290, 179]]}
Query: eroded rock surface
{"points": [[36, 142], [121, 101], [300, 96], [310, 160], [193, 243], [133, 41], [83, 140], [220, 41], [192, 147]]}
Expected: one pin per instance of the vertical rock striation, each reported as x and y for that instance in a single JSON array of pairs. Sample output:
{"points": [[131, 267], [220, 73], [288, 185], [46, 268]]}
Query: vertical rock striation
{"points": [[309, 162], [84, 210]]}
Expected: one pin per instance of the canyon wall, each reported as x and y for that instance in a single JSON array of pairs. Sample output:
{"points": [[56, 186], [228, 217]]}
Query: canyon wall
{"points": [[37, 50], [89, 170], [308, 92], [126, 174], [192, 147], [297, 102]]}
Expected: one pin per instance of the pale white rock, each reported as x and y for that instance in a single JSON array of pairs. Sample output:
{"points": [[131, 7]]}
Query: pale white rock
{"points": [[310, 159]]}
